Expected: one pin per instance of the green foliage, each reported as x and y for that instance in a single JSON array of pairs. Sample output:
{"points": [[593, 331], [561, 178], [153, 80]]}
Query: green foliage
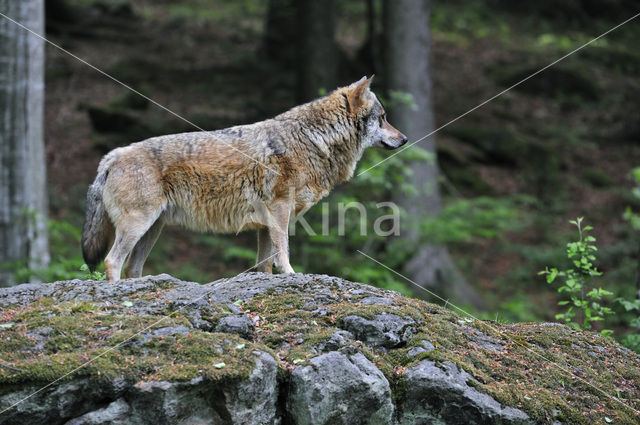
{"points": [[66, 258], [558, 41], [387, 177], [632, 340], [633, 218], [474, 21], [461, 221], [516, 308], [397, 98], [575, 281], [202, 11], [468, 220], [95, 275]]}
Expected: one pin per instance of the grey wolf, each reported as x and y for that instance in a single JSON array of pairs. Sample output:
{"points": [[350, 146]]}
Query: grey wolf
{"points": [[248, 177]]}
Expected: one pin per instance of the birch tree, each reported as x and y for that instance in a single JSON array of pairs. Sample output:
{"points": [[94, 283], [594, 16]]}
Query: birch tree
{"points": [[23, 199]]}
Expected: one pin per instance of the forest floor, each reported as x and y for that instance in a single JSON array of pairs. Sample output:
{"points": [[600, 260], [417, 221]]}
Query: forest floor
{"points": [[567, 138]]}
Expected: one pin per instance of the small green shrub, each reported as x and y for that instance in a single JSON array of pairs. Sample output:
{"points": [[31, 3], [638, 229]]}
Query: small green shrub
{"points": [[632, 340], [584, 307]]}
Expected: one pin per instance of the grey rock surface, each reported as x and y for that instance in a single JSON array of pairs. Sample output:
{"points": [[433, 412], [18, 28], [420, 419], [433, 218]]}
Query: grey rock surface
{"points": [[377, 300], [337, 388], [254, 401], [85, 402], [426, 347], [441, 394], [56, 404], [481, 340], [116, 413], [336, 341], [281, 350], [384, 330], [239, 324]]}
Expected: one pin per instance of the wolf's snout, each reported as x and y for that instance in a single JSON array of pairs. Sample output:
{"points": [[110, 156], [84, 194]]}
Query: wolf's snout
{"points": [[393, 139]]}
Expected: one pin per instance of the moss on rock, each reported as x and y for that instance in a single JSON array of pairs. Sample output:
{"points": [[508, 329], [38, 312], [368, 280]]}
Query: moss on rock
{"points": [[146, 333]]}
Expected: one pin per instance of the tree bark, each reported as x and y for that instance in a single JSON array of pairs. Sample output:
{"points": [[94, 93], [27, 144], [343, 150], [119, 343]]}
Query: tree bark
{"points": [[280, 31], [23, 198], [369, 54], [407, 57], [317, 50]]}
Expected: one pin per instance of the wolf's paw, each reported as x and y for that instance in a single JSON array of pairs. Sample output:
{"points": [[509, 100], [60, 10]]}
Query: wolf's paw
{"points": [[258, 269], [287, 270]]}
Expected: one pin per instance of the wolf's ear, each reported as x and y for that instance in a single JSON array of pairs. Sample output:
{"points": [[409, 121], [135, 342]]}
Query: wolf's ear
{"points": [[355, 99]]}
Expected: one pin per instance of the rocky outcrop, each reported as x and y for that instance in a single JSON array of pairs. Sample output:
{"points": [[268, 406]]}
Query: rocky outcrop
{"points": [[333, 384], [292, 349], [451, 398]]}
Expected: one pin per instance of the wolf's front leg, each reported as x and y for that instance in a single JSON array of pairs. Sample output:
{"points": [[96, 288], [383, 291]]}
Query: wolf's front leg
{"points": [[279, 233]]}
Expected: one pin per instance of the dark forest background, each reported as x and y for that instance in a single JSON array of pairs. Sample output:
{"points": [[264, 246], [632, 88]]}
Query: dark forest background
{"points": [[486, 201]]}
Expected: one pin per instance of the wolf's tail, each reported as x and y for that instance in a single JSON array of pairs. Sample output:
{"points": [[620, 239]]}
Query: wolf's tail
{"points": [[97, 229]]}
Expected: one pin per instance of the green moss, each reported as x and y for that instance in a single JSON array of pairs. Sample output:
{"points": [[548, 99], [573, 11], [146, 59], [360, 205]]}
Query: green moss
{"points": [[398, 357], [122, 345], [198, 353], [84, 308], [45, 341], [13, 341], [372, 310], [309, 340], [62, 343], [430, 355], [527, 373], [399, 388]]}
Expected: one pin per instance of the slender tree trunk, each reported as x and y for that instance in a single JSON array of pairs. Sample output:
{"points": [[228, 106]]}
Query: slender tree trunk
{"points": [[317, 51], [23, 198], [280, 32], [373, 38], [407, 56]]}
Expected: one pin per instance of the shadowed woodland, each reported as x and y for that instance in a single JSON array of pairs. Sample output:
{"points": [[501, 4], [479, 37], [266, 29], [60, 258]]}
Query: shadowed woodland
{"points": [[486, 201]]}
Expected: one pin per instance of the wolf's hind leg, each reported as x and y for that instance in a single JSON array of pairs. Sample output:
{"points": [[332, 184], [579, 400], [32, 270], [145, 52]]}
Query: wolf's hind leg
{"points": [[141, 251], [264, 263], [129, 229]]}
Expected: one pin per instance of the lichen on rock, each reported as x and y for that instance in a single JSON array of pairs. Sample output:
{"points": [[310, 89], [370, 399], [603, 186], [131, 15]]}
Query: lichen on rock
{"points": [[298, 349]]}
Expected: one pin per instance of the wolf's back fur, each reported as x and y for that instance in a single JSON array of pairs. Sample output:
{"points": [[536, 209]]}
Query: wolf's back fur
{"points": [[252, 176]]}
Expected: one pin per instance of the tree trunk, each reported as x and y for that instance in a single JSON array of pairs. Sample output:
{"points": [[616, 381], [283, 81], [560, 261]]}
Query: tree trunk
{"points": [[23, 198], [317, 51], [371, 55], [407, 56], [280, 30]]}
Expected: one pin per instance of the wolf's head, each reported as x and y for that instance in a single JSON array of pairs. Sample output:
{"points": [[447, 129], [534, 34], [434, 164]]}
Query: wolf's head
{"points": [[363, 105]]}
